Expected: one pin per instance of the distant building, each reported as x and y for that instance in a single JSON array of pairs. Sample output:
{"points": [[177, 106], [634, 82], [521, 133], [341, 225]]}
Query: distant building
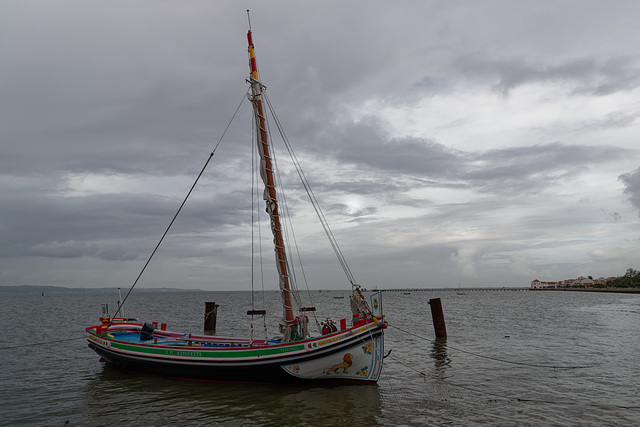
{"points": [[586, 282], [537, 284], [580, 281]]}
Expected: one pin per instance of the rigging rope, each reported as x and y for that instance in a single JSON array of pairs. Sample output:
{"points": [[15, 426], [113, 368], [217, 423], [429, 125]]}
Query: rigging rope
{"points": [[488, 393], [533, 365], [311, 195], [395, 395], [393, 391], [287, 226], [518, 399], [253, 208], [42, 343], [254, 220], [180, 208]]}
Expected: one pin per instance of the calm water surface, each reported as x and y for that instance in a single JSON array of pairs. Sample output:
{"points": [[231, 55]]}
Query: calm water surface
{"points": [[511, 358]]}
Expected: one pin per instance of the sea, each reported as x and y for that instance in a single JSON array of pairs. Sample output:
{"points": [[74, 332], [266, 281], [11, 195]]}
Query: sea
{"points": [[511, 358]]}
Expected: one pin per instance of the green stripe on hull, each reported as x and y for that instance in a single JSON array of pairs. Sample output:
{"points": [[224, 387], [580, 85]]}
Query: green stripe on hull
{"points": [[209, 353]]}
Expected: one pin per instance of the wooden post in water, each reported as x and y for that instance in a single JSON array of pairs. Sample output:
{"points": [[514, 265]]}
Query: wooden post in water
{"points": [[438, 318], [210, 316]]}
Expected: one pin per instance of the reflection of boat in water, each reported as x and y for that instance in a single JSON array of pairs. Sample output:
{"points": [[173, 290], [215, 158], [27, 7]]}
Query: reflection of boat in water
{"points": [[353, 353], [235, 404]]}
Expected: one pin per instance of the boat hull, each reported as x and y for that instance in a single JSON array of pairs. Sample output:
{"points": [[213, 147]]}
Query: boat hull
{"points": [[354, 355]]}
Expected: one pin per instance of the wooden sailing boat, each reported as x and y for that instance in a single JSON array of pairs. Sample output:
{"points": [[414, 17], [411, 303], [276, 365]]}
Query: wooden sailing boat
{"points": [[352, 352]]}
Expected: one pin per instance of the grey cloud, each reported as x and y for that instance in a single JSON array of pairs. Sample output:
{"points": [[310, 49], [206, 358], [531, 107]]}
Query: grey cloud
{"points": [[515, 169], [367, 142], [631, 181], [585, 76], [503, 171], [117, 252], [68, 249], [75, 249], [612, 120], [59, 226]]}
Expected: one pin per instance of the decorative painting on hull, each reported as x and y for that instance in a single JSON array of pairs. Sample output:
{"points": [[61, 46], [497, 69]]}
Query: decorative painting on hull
{"points": [[360, 362], [346, 362]]}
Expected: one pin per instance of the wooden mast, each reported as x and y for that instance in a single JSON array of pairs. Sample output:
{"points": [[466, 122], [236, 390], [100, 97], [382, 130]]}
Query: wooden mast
{"points": [[266, 172]]}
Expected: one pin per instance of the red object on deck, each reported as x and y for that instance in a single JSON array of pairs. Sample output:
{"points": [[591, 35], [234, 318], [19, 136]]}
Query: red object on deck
{"points": [[343, 324], [163, 326]]}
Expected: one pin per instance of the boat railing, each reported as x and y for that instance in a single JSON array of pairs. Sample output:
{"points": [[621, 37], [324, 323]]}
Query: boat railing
{"points": [[191, 340]]}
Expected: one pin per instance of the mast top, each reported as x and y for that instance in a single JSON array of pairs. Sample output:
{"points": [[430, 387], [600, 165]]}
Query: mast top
{"points": [[252, 56]]}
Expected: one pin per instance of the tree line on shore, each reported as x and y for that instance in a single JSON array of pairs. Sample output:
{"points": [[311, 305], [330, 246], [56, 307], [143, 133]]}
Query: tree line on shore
{"points": [[631, 279]]}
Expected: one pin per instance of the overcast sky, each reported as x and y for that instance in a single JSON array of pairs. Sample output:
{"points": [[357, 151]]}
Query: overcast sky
{"points": [[467, 143]]}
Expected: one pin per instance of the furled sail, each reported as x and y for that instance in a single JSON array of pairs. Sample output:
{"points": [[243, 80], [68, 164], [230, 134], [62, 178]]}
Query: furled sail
{"points": [[288, 327]]}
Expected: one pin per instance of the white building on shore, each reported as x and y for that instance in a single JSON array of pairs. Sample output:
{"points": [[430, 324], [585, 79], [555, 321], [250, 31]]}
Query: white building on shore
{"points": [[581, 281]]}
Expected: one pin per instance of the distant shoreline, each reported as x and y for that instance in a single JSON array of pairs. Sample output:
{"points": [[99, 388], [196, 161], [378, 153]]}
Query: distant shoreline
{"points": [[26, 289], [609, 290], [23, 289]]}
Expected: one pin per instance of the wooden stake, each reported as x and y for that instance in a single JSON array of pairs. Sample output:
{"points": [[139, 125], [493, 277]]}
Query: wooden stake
{"points": [[438, 318], [210, 316]]}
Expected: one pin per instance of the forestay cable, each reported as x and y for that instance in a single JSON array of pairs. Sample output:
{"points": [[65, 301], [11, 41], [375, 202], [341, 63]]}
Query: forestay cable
{"points": [[311, 195], [244, 96]]}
